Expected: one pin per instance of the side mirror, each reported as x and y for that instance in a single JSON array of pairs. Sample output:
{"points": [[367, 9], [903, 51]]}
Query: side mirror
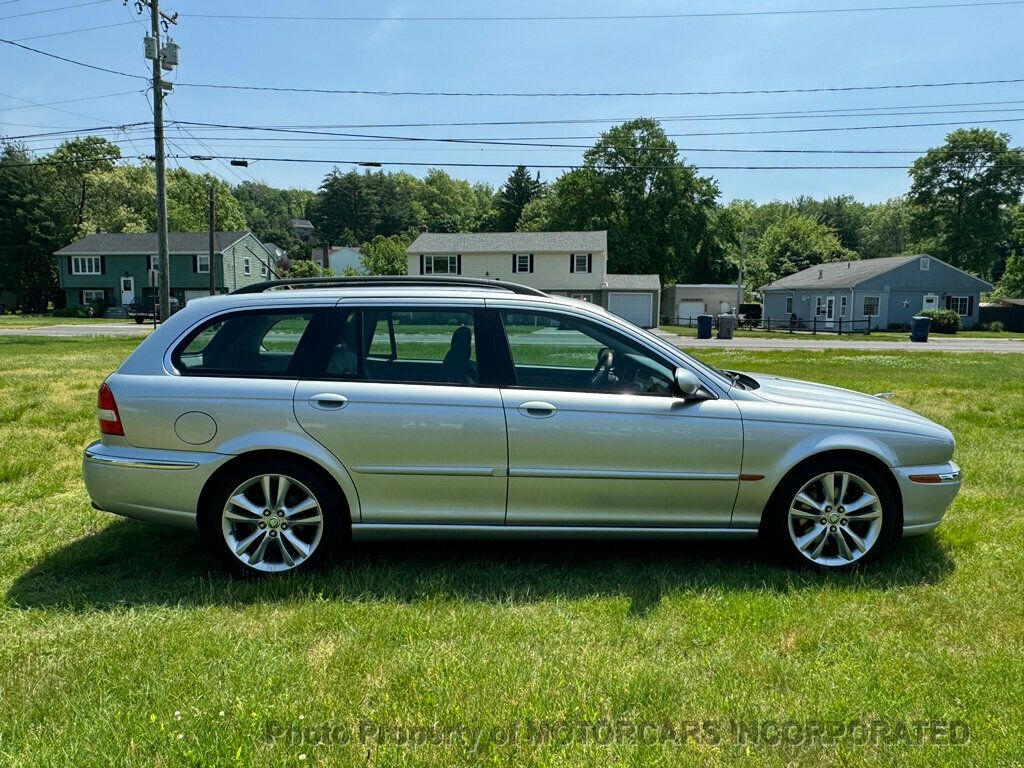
{"points": [[686, 383]]}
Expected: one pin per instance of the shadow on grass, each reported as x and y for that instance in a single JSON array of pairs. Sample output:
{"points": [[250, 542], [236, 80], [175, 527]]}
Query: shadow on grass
{"points": [[132, 563]]}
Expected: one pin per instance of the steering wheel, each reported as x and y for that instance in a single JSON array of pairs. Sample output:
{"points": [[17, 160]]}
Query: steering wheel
{"points": [[605, 358]]}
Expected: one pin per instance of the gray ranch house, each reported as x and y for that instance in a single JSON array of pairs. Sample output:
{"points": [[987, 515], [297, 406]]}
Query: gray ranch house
{"points": [[882, 292], [573, 264]]}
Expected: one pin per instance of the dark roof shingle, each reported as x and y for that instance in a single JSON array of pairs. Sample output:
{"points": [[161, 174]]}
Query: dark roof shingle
{"points": [[109, 243]]}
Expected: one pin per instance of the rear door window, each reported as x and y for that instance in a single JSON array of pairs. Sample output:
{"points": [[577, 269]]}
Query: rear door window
{"points": [[246, 344]]}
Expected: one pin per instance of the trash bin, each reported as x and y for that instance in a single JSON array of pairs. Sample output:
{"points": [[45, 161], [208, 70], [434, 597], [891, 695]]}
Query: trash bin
{"points": [[920, 327], [726, 325], [704, 326]]}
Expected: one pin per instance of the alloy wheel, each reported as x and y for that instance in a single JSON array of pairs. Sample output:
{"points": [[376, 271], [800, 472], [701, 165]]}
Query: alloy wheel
{"points": [[272, 523], [835, 519]]}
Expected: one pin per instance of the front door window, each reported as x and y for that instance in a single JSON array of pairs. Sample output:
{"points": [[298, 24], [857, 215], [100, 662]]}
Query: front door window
{"points": [[127, 290]]}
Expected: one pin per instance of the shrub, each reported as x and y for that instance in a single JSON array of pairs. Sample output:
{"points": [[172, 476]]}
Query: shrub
{"points": [[996, 326], [943, 320], [71, 312]]}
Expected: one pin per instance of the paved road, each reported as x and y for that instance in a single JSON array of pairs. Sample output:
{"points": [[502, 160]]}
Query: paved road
{"points": [[86, 329], [954, 344]]}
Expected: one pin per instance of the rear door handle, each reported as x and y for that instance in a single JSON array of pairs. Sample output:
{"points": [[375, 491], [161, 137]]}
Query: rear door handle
{"points": [[328, 401], [537, 409]]}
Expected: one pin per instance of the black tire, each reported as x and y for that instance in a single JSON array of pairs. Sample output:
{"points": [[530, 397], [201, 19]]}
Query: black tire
{"points": [[779, 531], [139, 320], [333, 510]]}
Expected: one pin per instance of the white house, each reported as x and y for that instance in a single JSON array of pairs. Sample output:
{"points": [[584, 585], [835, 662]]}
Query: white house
{"points": [[573, 264], [683, 303]]}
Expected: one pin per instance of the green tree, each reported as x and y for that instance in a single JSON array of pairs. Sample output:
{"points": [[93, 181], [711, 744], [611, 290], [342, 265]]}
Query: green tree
{"points": [[961, 191], [302, 268], [449, 205], [385, 255], [188, 203], [267, 210], [658, 211], [793, 244], [886, 229], [518, 191]]}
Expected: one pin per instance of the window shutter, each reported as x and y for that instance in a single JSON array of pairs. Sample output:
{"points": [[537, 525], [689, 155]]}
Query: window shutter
{"points": [[531, 262], [515, 263], [572, 262], [103, 265], [949, 302], [970, 306], [81, 298], [195, 263], [458, 264], [590, 262], [69, 265], [422, 267]]}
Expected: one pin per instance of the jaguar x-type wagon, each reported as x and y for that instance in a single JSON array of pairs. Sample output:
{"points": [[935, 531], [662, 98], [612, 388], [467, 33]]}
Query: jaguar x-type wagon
{"points": [[282, 423]]}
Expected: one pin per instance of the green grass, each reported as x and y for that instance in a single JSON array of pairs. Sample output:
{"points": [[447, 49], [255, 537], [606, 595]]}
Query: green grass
{"points": [[120, 646], [44, 321], [683, 330]]}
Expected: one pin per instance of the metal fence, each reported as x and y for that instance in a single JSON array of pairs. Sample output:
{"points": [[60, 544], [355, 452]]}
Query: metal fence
{"points": [[792, 325]]}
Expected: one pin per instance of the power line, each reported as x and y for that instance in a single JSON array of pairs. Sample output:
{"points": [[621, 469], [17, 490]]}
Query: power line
{"points": [[72, 61], [34, 105], [529, 94], [608, 17], [52, 10], [604, 94], [663, 119], [73, 31]]}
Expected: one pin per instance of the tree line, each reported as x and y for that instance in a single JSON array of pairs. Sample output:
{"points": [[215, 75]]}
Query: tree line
{"points": [[662, 215]]}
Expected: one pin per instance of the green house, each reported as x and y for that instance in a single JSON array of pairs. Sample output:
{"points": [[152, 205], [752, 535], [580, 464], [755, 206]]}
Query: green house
{"points": [[120, 268]]}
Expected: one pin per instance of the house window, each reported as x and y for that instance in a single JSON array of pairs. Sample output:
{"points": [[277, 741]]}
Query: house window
{"points": [[246, 266], [440, 265], [89, 296], [959, 304], [925, 263], [589, 297], [871, 306], [151, 263], [263, 269], [789, 305], [819, 306], [581, 262], [86, 265], [842, 306], [523, 262], [203, 263]]}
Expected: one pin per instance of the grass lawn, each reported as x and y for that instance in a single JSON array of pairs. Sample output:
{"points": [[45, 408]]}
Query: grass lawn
{"points": [[119, 646], [682, 330], [43, 321]]}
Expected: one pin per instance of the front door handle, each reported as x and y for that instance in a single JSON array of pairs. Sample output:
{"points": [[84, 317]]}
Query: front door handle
{"points": [[537, 409], [328, 401]]}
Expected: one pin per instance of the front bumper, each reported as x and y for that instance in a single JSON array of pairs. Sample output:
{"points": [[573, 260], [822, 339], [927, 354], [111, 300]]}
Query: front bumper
{"points": [[146, 484], [927, 493]]}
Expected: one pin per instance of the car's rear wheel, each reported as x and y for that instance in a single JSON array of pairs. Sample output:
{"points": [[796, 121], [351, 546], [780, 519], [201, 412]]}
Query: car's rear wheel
{"points": [[272, 520], [832, 515]]}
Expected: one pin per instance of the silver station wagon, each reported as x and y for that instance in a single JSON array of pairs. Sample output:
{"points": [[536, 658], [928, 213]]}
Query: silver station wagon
{"points": [[287, 419]]}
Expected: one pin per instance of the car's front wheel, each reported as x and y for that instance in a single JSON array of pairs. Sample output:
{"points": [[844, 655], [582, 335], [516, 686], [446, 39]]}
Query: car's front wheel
{"points": [[267, 520], [832, 515]]}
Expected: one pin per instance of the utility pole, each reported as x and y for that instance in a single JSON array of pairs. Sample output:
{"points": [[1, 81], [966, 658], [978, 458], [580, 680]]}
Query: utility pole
{"points": [[213, 236], [740, 291], [164, 56]]}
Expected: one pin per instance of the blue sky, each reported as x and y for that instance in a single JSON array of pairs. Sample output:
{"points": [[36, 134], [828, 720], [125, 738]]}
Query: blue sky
{"points": [[729, 53]]}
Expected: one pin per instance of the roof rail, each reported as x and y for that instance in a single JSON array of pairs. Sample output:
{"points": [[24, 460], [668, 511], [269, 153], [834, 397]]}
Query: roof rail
{"points": [[389, 280]]}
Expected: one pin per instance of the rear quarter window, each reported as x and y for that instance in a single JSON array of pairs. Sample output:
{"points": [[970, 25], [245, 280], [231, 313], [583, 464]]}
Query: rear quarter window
{"points": [[245, 344]]}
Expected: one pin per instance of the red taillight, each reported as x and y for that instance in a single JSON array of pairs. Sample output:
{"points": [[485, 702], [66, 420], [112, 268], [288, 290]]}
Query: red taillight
{"points": [[110, 419]]}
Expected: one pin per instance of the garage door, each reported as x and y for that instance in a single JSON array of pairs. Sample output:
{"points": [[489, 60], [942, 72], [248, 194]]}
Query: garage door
{"points": [[189, 295], [635, 307], [688, 311]]}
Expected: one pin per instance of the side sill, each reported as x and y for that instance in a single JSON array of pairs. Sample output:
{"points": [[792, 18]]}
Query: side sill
{"points": [[397, 531]]}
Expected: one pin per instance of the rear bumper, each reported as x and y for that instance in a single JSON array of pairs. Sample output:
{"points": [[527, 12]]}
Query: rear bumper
{"points": [[927, 496], [158, 486]]}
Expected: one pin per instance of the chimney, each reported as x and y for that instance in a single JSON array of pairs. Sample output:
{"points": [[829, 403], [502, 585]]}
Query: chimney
{"points": [[325, 250]]}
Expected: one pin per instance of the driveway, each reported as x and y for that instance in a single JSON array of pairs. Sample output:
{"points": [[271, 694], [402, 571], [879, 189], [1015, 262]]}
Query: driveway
{"points": [[84, 329], [934, 344]]}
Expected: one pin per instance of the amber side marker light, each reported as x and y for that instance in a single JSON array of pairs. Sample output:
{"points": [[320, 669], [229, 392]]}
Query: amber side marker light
{"points": [[948, 478]]}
